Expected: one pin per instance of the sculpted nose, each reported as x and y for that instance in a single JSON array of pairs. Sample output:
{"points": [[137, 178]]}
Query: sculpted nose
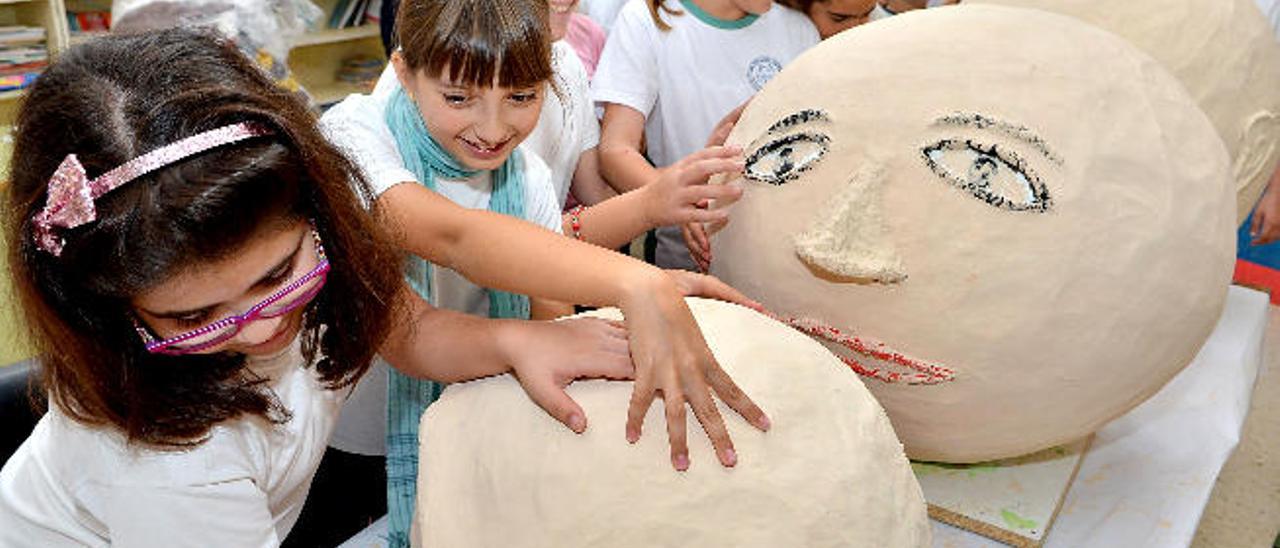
{"points": [[847, 241]]}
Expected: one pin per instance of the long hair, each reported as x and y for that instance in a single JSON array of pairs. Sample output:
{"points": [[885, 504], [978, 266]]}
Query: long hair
{"points": [[477, 40], [119, 97]]}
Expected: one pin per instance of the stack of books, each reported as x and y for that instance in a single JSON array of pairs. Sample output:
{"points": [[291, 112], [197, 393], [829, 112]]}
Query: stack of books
{"points": [[353, 13], [82, 23], [23, 56]]}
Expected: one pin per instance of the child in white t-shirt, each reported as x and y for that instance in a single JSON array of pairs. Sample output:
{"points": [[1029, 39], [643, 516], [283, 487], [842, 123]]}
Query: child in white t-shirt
{"points": [[671, 71], [203, 286], [468, 97]]}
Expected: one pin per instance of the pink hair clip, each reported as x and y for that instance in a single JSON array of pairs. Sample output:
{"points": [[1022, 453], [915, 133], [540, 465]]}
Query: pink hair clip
{"points": [[72, 194]]}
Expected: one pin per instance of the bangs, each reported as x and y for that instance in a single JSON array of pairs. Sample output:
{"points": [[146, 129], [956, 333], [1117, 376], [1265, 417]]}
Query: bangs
{"points": [[476, 42]]}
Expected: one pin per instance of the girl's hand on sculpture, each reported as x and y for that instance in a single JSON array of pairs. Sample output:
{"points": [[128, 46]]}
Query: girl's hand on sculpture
{"points": [[546, 356], [681, 192], [695, 232], [672, 358], [720, 133], [698, 243]]}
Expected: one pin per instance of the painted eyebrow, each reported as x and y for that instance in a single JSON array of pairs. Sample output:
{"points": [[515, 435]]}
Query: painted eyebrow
{"points": [[806, 116], [1019, 132], [270, 273]]}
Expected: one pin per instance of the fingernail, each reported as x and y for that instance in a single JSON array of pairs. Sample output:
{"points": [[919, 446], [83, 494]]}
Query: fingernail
{"points": [[682, 462], [577, 423], [632, 436], [729, 457], [764, 423]]}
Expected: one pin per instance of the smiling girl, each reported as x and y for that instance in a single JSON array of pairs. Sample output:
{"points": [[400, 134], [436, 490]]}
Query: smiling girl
{"points": [[471, 76], [203, 287]]}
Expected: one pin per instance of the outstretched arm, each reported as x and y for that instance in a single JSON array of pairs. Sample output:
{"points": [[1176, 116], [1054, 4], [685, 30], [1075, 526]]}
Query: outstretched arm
{"points": [[666, 347], [621, 136], [449, 346], [671, 200]]}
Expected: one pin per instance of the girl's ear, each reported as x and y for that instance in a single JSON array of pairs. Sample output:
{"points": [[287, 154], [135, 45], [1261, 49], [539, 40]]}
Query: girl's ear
{"points": [[402, 70]]}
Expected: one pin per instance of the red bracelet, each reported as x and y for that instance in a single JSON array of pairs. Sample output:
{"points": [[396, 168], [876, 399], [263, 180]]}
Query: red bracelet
{"points": [[575, 223]]}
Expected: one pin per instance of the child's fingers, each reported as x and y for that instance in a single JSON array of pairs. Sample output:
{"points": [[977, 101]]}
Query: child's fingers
{"points": [[608, 327], [736, 399], [673, 402], [712, 152], [725, 126], [697, 173], [704, 408], [642, 394], [552, 398], [1269, 234], [709, 286], [699, 216], [695, 194], [609, 364], [694, 251], [696, 240], [700, 234]]}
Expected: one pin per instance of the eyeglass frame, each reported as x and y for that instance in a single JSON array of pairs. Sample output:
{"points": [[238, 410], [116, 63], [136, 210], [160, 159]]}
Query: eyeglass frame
{"points": [[253, 314]]}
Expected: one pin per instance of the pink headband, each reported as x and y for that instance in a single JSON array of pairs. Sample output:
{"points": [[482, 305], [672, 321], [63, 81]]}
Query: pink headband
{"points": [[72, 193]]}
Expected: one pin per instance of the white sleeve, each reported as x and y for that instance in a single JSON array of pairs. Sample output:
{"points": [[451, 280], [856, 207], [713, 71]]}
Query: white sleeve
{"points": [[573, 75], [233, 513], [591, 134], [358, 127], [627, 73], [541, 207]]}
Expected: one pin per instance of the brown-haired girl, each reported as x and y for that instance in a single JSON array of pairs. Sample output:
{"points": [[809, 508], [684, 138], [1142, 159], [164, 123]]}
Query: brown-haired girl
{"points": [[471, 75], [203, 286]]}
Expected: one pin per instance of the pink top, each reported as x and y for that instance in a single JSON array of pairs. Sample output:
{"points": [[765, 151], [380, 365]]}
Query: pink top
{"points": [[587, 38]]}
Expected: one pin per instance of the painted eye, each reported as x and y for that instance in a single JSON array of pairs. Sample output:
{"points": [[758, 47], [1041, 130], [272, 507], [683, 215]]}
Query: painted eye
{"points": [[996, 176], [783, 159]]}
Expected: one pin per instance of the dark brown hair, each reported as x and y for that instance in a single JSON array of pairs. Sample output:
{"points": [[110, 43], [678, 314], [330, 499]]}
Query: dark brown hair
{"points": [[801, 6], [114, 99], [475, 38]]}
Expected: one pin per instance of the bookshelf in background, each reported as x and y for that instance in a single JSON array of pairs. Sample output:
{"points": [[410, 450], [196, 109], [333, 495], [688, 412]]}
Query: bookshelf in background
{"points": [[31, 32], [48, 16], [343, 55], [87, 18]]}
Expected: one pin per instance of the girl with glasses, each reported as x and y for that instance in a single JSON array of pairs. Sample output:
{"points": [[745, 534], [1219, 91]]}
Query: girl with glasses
{"points": [[203, 286]]}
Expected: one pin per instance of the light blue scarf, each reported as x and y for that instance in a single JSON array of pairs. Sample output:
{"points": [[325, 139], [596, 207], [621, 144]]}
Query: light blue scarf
{"points": [[407, 397]]}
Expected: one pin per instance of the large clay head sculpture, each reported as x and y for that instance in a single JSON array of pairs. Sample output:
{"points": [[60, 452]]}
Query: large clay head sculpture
{"points": [[497, 471], [1031, 216], [1226, 55]]}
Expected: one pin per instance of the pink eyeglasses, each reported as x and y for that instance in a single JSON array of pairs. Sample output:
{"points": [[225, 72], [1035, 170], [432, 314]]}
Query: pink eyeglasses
{"points": [[298, 293]]}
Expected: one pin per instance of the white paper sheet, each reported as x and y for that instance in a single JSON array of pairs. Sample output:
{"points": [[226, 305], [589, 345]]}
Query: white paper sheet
{"points": [[1148, 476]]}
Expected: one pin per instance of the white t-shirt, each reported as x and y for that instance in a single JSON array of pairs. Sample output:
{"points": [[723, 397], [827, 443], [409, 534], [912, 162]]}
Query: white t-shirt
{"points": [[686, 79], [567, 126], [71, 484], [603, 12], [358, 127]]}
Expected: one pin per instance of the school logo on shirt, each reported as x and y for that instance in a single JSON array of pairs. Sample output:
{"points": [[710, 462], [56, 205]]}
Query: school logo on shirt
{"points": [[761, 70]]}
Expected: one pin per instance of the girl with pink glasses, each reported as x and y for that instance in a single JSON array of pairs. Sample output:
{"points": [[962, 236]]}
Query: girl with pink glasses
{"points": [[204, 287]]}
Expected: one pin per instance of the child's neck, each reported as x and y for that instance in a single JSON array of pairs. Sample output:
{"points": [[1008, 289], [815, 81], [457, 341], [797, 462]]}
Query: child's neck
{"points": [[720, 9]]}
